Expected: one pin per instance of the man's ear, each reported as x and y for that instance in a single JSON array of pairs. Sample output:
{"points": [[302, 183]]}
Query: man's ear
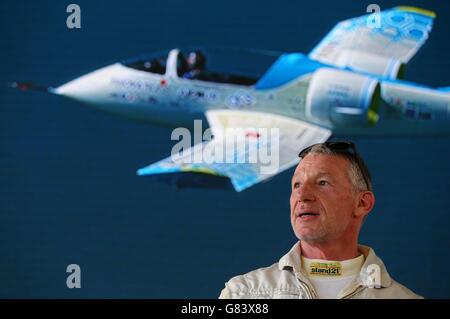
{"points": [[365, 203]]}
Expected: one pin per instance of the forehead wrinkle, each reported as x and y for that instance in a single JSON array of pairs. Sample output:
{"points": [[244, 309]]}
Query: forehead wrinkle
{"points": [[310, 163], [318, 174]]}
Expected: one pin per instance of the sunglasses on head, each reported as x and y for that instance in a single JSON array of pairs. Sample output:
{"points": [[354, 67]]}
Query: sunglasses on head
{"points": [[346, 148]]}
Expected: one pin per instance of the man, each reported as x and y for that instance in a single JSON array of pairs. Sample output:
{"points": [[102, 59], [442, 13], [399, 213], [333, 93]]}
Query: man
{"points": [[331, 195], [195, 61]]}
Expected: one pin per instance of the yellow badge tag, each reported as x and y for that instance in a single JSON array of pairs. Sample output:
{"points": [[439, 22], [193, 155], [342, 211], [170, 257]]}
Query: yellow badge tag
{"points": [[325, 269]]}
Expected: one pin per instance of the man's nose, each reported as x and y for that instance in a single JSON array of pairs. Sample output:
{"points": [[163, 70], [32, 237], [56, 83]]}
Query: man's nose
{"points": [[305, 193]]}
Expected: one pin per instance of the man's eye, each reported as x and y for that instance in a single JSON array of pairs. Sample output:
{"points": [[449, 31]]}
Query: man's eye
{"points": [[296, 185], [322, 183]]}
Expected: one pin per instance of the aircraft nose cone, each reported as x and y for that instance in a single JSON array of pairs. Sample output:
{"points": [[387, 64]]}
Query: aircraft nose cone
{"points": [[88, 88], [76, 88], [80, 88]]}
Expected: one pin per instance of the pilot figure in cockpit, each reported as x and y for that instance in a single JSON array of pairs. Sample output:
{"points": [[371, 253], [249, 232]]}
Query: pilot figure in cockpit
{"points": [[196, 61]]}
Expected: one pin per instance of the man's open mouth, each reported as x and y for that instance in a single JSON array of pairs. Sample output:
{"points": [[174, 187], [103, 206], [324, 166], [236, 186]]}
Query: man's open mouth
{"points": [[307, 214]]}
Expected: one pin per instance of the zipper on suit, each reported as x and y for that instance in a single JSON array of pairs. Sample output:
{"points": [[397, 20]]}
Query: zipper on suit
{"points": [[354, 292], [310, 292]]}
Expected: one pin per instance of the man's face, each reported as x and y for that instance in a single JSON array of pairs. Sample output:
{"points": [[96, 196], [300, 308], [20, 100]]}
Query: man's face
{"points": [[192, 58], [322, 201]]}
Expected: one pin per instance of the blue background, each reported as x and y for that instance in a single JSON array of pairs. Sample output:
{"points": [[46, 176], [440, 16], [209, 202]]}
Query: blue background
{"points": [[69, 193]]}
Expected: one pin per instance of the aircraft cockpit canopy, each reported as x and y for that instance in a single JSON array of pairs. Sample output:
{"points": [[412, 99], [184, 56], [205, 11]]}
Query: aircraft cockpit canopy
{"points": [[219, 65], [152, 63]]}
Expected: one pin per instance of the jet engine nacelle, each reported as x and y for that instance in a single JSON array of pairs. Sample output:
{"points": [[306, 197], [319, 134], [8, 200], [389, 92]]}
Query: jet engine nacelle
{"points": [[338, 98], [372, 63]]}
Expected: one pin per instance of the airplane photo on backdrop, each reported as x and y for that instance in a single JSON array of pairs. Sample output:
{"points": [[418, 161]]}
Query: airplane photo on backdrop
{"points": [[349, 84]]}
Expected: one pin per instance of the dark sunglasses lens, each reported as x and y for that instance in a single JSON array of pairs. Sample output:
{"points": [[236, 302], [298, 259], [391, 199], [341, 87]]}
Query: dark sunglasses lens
{"points": [[340, 145], [305, 151]]}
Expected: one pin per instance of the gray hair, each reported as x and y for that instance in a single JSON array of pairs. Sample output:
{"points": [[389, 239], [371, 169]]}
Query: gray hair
{"points": [[358, 172]]}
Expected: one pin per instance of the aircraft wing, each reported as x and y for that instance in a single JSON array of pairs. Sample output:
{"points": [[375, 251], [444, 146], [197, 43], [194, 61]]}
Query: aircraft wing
{"points": [[248, 147], [376, 43]]}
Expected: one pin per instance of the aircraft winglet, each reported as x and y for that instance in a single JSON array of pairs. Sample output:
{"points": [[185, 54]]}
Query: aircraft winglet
{"points": [[424, 12]]}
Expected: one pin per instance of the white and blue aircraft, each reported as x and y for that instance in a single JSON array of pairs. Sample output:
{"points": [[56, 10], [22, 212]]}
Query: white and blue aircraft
{"points": [[349, 84]]}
